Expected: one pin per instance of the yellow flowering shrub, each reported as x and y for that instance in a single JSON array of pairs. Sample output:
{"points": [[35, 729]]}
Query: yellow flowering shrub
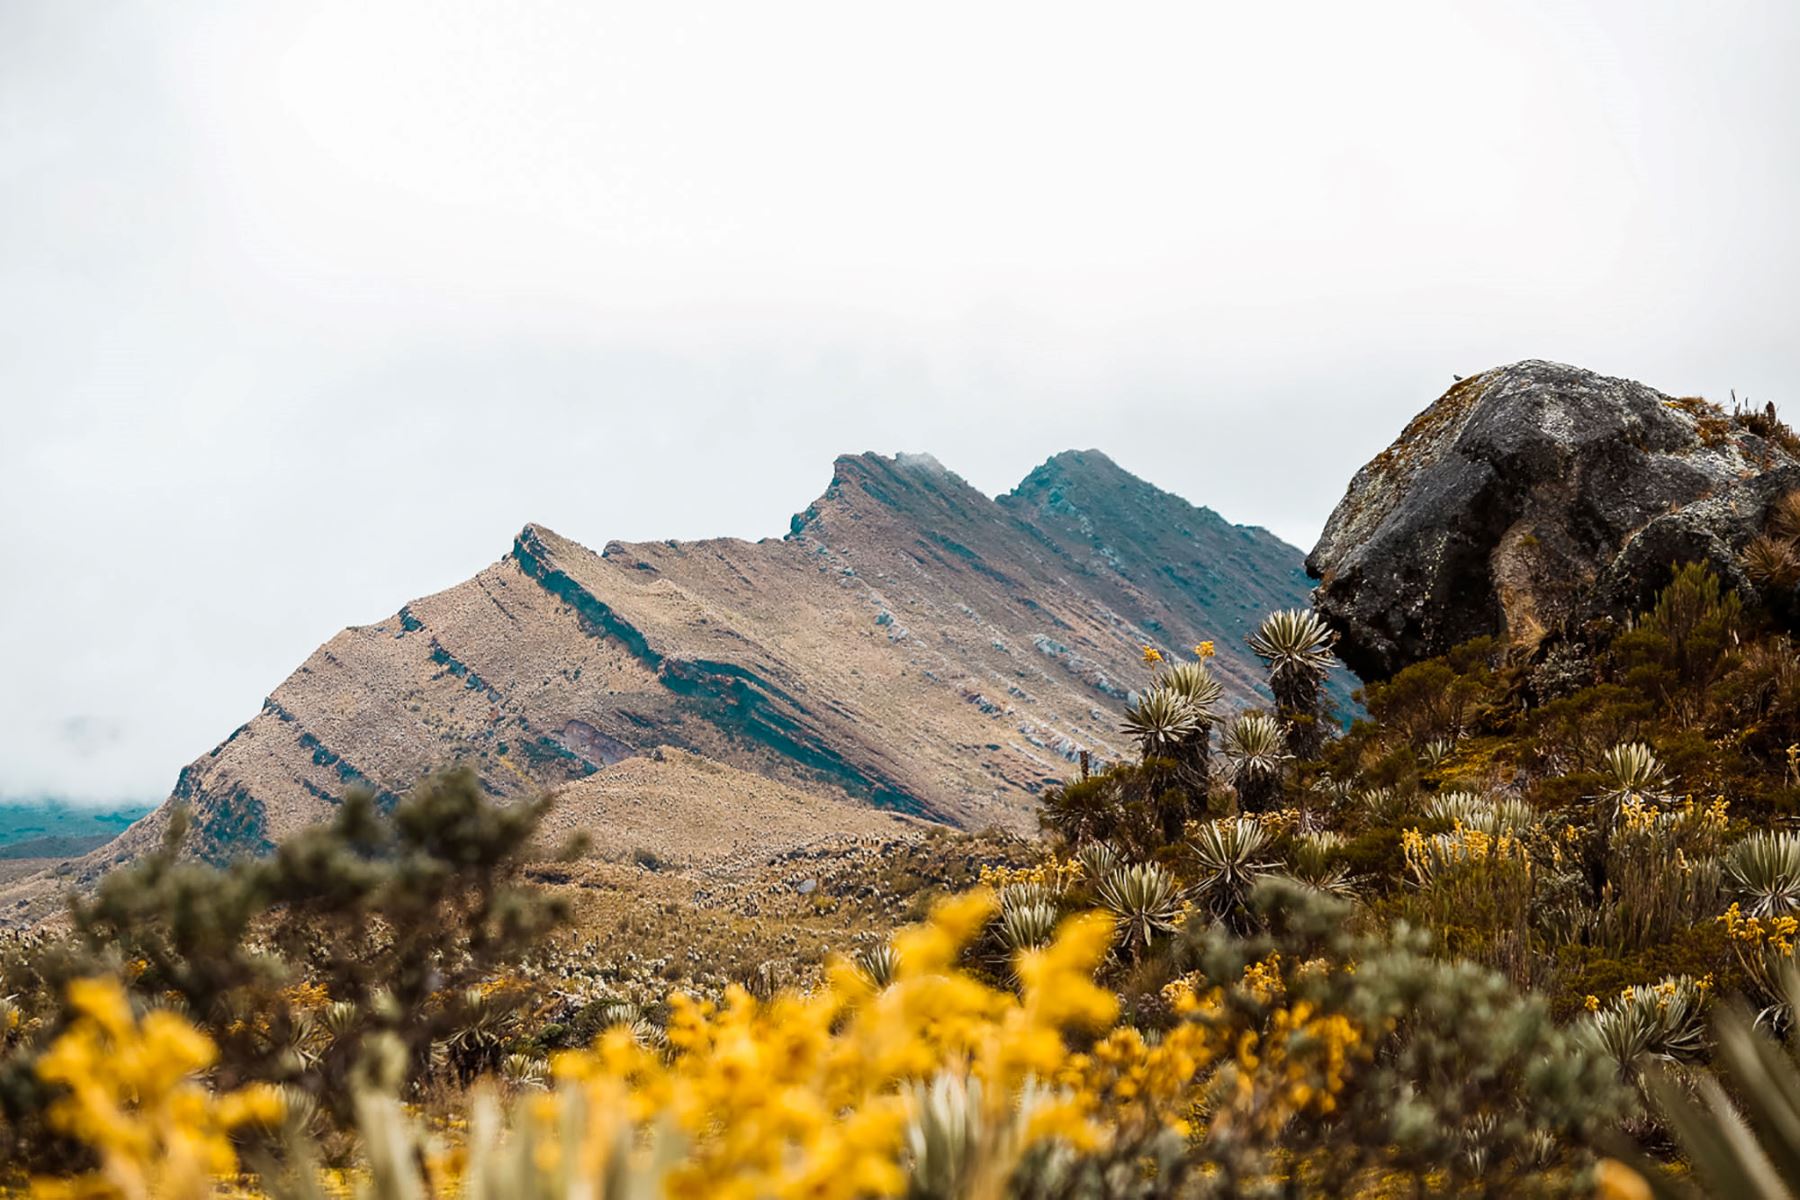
{"points": [[1136, 1085], [1263, 979], [1474, 886], [1773, 933], [1661, 869], [1303, 1058], [1431, 857], [1765, 948], [856, 1090], [806, 1095], [133, 1095], [1279, 821], [1052, 873], [1710, 819]]}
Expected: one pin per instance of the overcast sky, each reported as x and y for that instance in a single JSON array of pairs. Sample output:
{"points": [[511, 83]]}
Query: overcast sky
{"points": [[305, 308]]}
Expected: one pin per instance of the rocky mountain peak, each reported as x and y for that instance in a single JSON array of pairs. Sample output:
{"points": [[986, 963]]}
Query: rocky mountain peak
{"points": [[1069, 466], [912, 644], [1087, 481], [885, 487]]}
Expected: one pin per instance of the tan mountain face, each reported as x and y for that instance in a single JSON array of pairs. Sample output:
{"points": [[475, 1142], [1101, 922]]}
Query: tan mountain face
{"points": [[911, 645]]}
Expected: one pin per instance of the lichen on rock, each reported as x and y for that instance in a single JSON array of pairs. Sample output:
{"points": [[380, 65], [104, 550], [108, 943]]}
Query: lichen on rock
{"points": [[1529, 500]]}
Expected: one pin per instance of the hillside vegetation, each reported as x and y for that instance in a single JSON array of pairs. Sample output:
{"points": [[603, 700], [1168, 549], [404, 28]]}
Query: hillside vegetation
{"points": [[1456, 948]]}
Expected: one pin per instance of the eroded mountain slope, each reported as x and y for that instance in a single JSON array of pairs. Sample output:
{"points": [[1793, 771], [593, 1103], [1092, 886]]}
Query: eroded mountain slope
{"points": [[911, 644]]}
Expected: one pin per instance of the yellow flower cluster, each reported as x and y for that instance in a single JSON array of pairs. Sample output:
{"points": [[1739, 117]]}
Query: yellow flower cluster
{"points": [[1294, 1061], [1773, 933], [1636, 816], [1764, 947], [1305, 1055], [1276, 822], [1152, 656], [1263, 979], [132, 1094], [306, 996], [1053, 874], [1204, 651], [1667, 990], [1279, 821], [1663, 993], [1182, 993], [1428, 857], [826, 1095], [808, 1095], [1717, 815], [1134, 1085]]}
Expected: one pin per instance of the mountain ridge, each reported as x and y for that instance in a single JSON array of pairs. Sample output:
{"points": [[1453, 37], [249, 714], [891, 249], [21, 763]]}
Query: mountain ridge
{"points": [[909, 644]]}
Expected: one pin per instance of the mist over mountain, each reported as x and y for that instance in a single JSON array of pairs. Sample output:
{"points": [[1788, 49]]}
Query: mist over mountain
{"points": [[46, 827]]}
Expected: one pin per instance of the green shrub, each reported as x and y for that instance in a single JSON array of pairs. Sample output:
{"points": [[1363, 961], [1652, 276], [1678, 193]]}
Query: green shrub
{"points": [[387, 920]]}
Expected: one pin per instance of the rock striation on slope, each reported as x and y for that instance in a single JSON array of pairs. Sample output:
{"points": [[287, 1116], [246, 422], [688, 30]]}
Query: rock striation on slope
{"points": [[911, 644], [1533, 498]]}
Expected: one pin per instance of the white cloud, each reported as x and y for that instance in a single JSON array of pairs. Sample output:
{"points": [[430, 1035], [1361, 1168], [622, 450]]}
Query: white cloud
{"points": [[309, 306]]}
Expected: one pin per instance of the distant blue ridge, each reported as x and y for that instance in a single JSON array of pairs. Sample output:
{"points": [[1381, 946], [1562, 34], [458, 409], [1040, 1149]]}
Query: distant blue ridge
{"points": [[41, 827]]}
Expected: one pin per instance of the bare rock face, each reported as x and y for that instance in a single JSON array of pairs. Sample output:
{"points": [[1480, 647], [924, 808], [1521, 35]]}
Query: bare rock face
{"points": [[910, 645], [1531, 499]]}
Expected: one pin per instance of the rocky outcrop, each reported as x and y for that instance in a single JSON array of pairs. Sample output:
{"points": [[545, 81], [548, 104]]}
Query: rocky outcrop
{"points": [[1531, 499]]}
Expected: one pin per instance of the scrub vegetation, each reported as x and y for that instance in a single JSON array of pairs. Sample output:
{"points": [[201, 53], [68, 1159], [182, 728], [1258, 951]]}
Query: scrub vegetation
{"points": [[1527, 927]]}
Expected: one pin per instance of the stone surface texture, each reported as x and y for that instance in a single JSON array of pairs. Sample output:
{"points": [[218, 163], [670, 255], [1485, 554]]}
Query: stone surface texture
{"points": [[1529, 500]]}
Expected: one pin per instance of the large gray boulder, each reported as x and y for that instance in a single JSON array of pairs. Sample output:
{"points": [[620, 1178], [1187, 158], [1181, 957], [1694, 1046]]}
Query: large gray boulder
{"points": [[1532, 499]]}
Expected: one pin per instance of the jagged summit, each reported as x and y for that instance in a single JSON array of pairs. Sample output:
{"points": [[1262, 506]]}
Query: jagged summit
{"points": [[1082, 480], [1067, 466], [911, 644], [915, 485]]}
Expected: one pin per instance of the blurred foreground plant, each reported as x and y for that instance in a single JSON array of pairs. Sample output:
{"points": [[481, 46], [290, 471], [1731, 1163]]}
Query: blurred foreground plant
{"points": [[374, 925], [128, 1090], [1309, 1054], [1739, 1123]]}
